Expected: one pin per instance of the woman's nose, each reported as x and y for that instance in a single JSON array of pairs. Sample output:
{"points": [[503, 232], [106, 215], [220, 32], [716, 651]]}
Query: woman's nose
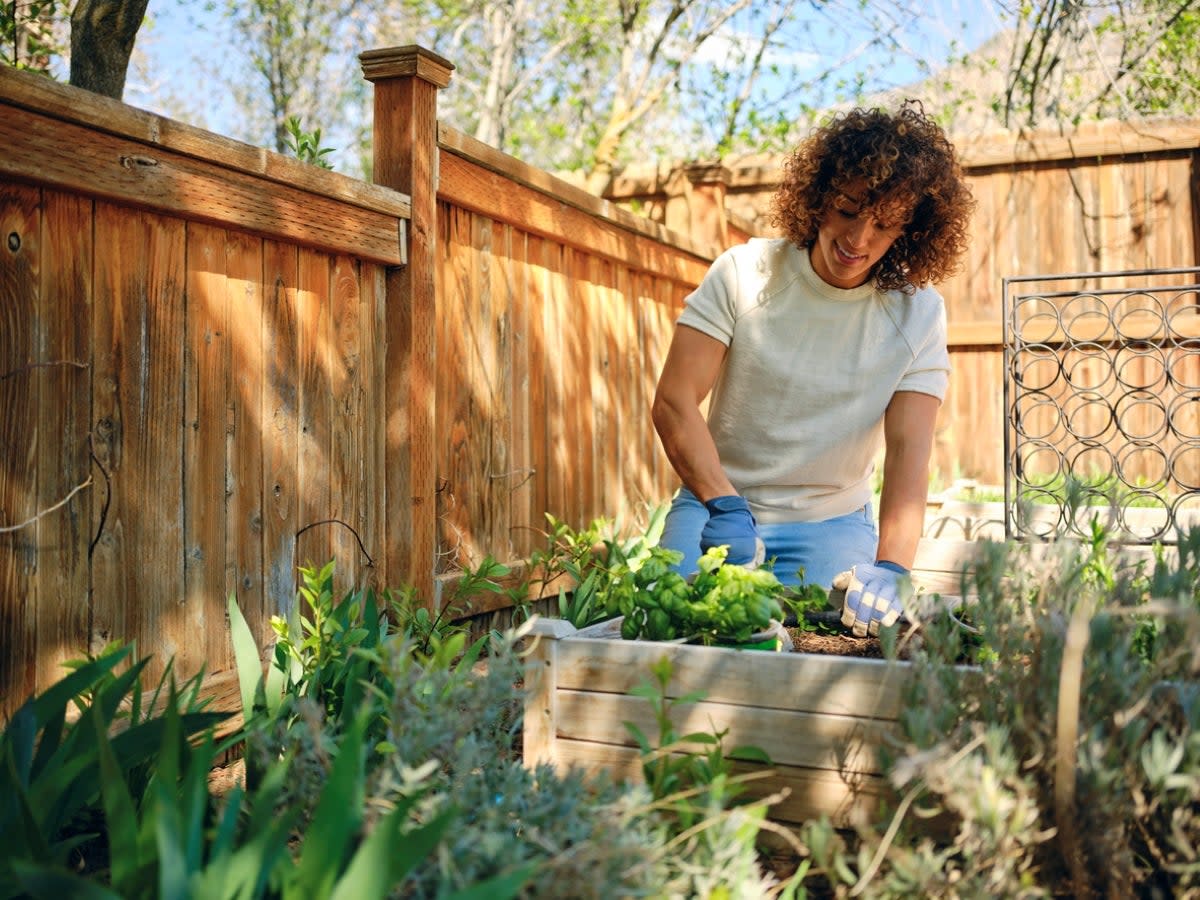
{"points": [[858, 231]]}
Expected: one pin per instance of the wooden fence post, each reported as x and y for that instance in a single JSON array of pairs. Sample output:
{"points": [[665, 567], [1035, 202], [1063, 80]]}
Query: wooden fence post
{"points": [[406, 81], [696, 203]]}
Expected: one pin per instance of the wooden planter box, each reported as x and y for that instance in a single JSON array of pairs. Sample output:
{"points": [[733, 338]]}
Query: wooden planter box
{"points": [[821, 719]]}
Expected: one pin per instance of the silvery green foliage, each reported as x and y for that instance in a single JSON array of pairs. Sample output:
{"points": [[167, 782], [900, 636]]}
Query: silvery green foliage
{"points": [[582, 832], [975, 767], [587, 836]]}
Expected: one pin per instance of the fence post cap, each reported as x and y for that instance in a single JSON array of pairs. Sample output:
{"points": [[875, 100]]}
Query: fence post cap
{"points": [[406, 61]]}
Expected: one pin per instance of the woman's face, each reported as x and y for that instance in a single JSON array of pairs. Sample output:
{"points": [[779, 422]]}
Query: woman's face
{"points": [[851, 239]]}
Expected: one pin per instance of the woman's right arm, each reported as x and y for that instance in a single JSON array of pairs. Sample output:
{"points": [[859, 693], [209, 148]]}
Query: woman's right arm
{"points": [[693, 363]]}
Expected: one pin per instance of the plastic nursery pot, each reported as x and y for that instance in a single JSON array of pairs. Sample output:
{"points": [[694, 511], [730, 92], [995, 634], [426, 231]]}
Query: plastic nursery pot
{"points": [[773, 639]]}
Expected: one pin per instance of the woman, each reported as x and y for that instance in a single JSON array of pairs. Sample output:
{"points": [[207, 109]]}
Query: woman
{"points": [[814, 347]]}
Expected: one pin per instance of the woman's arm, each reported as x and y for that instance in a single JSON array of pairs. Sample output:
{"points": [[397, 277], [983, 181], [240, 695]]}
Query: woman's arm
{"points": [[908, 440], [693, 362]]}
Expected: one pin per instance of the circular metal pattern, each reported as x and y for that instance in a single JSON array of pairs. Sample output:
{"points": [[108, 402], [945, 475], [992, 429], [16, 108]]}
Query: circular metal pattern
{"points": [[1089, 367], [1183, 362], [1088, 415], [1036, 367], [1085, 317], [1182, 313], [1140, 367], [1143, 463], [1140, 416], [1038, 512], [1037, 316], [1184, 465], [1144, 515], [1038, 416], [1104, 391]]}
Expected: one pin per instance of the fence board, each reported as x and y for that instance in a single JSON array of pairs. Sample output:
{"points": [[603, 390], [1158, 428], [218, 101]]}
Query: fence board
{"points": [[344, 472], [20, 216], [138, 355], [244, 515], [64, 317], [281, 417], [522, 522], [75, 158], [314, 547], [206, 389]]}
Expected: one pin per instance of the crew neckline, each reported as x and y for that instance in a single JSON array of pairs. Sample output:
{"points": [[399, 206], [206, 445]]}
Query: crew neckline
{"points": [[827, 290]]}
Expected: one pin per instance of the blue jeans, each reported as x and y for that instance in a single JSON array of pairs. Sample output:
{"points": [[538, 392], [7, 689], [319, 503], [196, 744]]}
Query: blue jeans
{"points": [[822, 549]]}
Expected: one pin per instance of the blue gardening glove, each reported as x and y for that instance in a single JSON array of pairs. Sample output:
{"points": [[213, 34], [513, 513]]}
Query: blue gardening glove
{"points": [[875, 596], [731, 523]]}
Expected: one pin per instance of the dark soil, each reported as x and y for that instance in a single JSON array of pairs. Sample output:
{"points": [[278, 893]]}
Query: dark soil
{"points": [[835, 644]]}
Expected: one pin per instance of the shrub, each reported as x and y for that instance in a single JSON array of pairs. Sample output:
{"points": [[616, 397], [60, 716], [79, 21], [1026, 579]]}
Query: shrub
{"points": [[1068, 759]]}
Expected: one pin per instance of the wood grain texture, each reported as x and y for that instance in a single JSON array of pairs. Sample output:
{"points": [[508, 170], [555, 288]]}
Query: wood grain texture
{"points": [[35, 92], [847, 798], [64, 321], [205, 460], [71, 157], [245, 299], [281, 424], [138, 408], [20, 394], [314, 544]]}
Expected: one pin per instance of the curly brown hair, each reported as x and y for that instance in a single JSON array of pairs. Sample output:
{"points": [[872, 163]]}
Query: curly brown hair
{"points": [[904, 158]]}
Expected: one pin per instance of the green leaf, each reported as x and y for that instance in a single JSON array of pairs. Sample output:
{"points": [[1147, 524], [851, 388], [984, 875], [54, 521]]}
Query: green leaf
{"points": [[246, 656], [337, 818], [389, 854], [44, 881], [119, 815], [502, 887]]}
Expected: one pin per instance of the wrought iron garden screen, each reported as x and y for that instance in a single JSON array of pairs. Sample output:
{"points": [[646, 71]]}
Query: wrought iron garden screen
{"points": [[1102, 404]]}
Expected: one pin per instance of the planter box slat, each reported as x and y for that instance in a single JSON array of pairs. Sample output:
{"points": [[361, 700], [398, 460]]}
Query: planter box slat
{"points": [[803, 682], [847, 798], [841, 743]]}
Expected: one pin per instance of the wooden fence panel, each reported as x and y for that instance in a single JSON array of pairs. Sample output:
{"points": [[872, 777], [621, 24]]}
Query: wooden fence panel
{"points": [[20, 397], [554, 315], [63, 428], [225, 366]]}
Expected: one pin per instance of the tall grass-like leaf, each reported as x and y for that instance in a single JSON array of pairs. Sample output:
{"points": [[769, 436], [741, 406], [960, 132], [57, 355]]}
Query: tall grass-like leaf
{"points": [[502, 887], [59, 695], [337, 819], [246, 656], [119, 814], [43, 881], [387, 855]]}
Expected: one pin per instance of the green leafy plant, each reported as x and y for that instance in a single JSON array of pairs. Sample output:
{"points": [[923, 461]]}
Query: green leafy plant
{"points": [[70, 784], [306, 145], [723, 603], [592, 560]]}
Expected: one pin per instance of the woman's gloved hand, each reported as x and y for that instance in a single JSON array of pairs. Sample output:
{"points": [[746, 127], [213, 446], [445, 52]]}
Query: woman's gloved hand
{"points": [[730, 523], [875, 596]]}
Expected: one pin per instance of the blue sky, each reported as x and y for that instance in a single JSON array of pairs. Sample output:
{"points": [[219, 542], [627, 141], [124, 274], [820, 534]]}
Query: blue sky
{"points": [[168, 74]]}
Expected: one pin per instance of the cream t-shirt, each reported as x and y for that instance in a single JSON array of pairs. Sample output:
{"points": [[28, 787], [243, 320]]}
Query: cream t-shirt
{"points": [[797, 410]]}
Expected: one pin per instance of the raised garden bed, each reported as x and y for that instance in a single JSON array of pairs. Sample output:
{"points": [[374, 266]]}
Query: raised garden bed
{"points": [[821, 717]]}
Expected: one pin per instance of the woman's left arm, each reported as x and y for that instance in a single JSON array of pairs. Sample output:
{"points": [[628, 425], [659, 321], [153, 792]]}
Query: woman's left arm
{"points": [[908, 427]]}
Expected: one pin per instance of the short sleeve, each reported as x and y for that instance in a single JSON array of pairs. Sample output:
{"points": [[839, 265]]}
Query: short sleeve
{"points": [[712, 307]]}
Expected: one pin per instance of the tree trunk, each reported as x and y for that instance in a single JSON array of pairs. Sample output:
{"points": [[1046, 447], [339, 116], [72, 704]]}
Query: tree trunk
{"points": [[102, 36]]}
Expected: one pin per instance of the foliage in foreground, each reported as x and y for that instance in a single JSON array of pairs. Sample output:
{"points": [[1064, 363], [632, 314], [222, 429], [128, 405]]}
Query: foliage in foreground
{"points": [[1067, 760], [382, 760]]}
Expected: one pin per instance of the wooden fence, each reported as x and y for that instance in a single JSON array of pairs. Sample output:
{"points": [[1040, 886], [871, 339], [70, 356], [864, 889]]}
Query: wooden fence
{"points": [[192, 381], [1108, 196], [217, 363]]}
